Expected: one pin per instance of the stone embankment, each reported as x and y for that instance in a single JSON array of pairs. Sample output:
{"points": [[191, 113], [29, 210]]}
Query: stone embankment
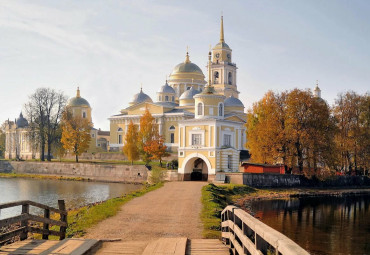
{"points": [[96, 172]]}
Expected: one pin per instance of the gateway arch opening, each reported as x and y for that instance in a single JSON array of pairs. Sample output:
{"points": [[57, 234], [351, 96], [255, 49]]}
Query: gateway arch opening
{"points": [[199, 170]]}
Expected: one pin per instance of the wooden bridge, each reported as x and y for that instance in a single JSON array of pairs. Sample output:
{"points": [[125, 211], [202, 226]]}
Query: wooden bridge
{"points": [[241, 234]]}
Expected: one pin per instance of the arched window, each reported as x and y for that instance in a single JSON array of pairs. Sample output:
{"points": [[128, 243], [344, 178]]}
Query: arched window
{"points": [[172, 128], [230, 78], [200, 109], [166, 98], [84, 115], [220, 109], [119, 129], [215, 77], [172, 138]]}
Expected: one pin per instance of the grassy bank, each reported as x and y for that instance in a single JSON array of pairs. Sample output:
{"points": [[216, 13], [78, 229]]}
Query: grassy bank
{"points": [[38, 176], [214, 200], [86, 217]]}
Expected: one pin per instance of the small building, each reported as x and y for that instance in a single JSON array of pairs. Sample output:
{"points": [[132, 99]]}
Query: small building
{"points": [[79, 106], [247, 167]]}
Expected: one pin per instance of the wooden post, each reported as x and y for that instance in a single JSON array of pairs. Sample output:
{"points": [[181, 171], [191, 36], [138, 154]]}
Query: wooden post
{"points": [[63, 218], [45, 236], [24, 223]]}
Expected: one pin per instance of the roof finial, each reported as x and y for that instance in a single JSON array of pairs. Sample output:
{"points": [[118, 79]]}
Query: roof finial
{"points": [[78, 92], [317, 83], [141, 87], [222, 39], [187, 60]]}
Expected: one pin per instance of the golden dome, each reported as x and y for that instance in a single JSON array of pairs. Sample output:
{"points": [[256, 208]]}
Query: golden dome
{"points": [[187, 67]]}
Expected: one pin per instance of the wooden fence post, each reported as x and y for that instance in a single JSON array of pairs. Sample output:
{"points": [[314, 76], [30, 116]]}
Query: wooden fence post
{"points": [[45, 236], [24, 223], [63, 218]]}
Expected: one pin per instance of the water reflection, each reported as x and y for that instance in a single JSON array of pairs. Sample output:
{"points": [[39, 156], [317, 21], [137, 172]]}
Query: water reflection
{"points": [[322, 225], [74, 193]]}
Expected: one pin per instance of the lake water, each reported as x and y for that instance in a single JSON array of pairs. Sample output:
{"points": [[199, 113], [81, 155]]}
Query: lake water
{"points": [[321, 225], [75, 193]]}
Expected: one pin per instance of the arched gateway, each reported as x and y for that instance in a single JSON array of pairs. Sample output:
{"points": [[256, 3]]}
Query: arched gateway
{"points": [[196, 167]]}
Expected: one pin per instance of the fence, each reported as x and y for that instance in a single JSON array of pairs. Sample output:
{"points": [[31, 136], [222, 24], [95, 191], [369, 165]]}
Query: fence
{"points": [[22, 221], [247, 235]]}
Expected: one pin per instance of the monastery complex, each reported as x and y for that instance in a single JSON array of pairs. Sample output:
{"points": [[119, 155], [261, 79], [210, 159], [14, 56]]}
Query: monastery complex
{"points": [[203, 121]]}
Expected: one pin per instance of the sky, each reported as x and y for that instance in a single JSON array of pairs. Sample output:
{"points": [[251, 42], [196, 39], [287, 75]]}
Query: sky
{"points": [[109, 47]]}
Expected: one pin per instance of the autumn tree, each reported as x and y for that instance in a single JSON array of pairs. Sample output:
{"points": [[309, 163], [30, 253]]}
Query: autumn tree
{"points": [[147, 132], [293, 128], [44, 110], [130, 148], [75, 133], [156, 148], [351, 112], [265, 129]]}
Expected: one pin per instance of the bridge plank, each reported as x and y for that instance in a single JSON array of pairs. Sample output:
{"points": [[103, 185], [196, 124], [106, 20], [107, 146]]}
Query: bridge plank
{"points": [[162, 246], [41, 247]]}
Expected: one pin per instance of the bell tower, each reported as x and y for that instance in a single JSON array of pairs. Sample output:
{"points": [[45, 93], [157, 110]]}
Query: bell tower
{"points": [[223, 70]]}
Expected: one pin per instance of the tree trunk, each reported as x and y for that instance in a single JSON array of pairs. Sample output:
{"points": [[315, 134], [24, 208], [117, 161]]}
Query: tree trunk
{"points": [[76, 158], [49, 151], [42, 156], [300, 156]]}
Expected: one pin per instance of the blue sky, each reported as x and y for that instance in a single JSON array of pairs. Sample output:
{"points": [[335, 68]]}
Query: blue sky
{"points": [[108, 48]]}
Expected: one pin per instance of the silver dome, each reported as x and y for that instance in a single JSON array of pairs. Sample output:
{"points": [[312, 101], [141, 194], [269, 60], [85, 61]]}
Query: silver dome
{"points": [[166, 89], [189, 94], [21, 122], [233, 101], [78, 101], [141, 97]]}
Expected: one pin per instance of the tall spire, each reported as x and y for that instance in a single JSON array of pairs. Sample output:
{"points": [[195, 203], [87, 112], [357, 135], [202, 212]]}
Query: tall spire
{"points": [[78, 92], [222, 39]]}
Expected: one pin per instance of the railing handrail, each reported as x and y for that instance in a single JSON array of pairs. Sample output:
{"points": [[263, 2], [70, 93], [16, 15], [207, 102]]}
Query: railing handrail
{"points": [[24, 218], [239, 241], [32, 203]]}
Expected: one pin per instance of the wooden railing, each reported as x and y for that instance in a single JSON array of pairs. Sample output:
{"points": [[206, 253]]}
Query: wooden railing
{"points": [[247, 235], [18, 226]]}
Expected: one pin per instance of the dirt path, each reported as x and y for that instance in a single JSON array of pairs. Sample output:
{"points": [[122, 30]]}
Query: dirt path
{"points": [[170, 211]]}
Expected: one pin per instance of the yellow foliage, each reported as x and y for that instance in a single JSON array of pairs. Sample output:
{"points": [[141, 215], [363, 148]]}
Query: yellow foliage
{"points": [[75, 133], [131, 149]]}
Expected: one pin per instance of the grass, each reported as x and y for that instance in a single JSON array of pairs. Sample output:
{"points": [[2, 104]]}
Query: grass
{"points": [[214, 200], [81, 219], [37, 176]]}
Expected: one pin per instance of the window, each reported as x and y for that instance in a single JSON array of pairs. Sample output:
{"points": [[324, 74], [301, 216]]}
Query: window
{"points": [[221, 110], [196, 139], [229, 164], [84, 115], [98, 144], [200, 109], [230, 78], [215, 77], [166, 98], [188, 88], [172, 138], [227, 140], [210, 110], [172, 127], [119, 129], [92, 135], [119, 139], [173, 99]]}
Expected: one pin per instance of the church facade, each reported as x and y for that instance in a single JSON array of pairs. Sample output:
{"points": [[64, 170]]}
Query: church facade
{"points": [[203, 121]]}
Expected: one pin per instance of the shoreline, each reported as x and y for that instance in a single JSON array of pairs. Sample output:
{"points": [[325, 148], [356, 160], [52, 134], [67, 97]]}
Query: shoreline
{"points": [[63, 178], [245, 201]]}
